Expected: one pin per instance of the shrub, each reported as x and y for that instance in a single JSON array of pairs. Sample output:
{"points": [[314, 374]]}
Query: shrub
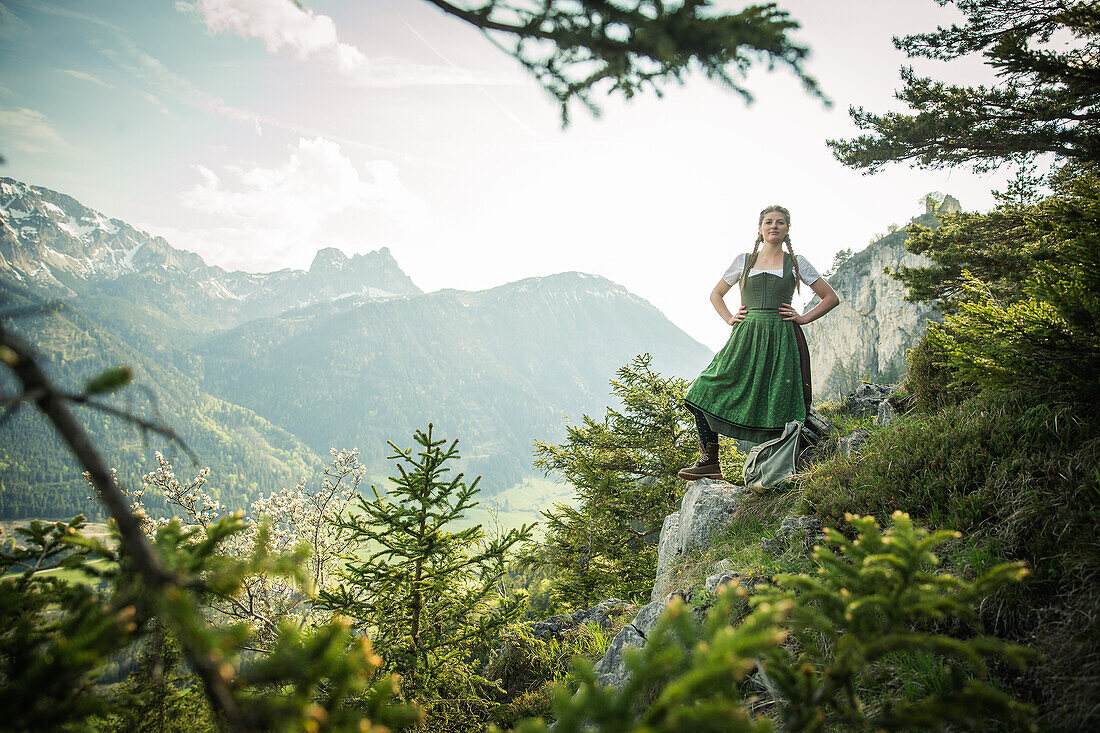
{"points": [[1021, 481], [876, 602], [814, 643]]}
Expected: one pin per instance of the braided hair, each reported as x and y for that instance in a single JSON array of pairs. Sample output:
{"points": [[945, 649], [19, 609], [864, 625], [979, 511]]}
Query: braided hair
{"points": [[786, 241]]}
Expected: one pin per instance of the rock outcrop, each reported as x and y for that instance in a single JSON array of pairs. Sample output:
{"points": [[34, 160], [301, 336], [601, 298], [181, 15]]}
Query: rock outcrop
{"points": [[867, 336], [707, 508]]}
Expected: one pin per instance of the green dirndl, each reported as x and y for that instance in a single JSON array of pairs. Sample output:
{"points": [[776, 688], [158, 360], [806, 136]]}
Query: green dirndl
{"points": [[758, 381]]}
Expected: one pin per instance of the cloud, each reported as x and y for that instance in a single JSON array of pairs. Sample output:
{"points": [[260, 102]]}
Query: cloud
{"points": [[310, 36], [156, 103], [84, 76], [282, 24], [125, 53], [30, 131], [11, 25], [269, 217]]}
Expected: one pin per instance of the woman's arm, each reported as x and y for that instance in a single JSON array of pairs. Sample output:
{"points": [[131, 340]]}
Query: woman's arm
{"points": [[829, 300], [717, 300]]}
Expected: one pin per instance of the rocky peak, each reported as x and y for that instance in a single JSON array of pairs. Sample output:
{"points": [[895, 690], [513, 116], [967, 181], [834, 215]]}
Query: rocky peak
{"points": [[327, 259], [941, 203], [55, 246], [334, 275], [51, 242], [868, 335]]}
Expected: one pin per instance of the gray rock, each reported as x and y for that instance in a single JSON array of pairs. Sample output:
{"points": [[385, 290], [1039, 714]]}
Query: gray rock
{"points": [[805, 532], [720, 578], [852, 443], [707, 507], [886, 413], [668, 549], [759, 678], [611, 669], [866, 398], [558, 626], [794, 527], [773, 546], [648, 616], [723, 565], [816, 428]]}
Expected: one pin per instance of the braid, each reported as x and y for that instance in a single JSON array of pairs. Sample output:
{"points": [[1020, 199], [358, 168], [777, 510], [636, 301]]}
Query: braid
{"points": [[755, 249], [794, 262]]}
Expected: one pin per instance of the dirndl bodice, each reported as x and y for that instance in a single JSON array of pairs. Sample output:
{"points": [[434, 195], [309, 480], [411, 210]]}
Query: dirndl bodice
{"points": [[754, 385]]}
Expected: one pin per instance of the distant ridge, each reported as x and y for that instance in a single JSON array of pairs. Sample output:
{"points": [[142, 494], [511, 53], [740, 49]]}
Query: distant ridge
{"points": [[264, 372]]}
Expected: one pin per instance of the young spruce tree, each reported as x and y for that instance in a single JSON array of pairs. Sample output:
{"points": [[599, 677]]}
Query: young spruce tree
{"points": [[425, 591], [623, 470]]}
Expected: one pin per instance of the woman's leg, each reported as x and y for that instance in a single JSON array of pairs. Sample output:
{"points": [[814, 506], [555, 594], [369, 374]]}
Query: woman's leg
{"points": [[706, 435], [707, 466]]}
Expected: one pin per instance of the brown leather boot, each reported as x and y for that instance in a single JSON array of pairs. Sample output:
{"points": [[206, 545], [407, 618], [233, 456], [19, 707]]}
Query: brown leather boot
{"points": [[706, 467]]}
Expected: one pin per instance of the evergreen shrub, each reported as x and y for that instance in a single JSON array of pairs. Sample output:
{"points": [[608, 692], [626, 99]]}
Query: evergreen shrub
{"points": [[807, 655], [1021, 480]]}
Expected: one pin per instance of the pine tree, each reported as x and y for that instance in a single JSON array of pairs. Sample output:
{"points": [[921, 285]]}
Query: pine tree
{"points": [[425, 590], [574, 46], [623, 470], [1046, 101]]}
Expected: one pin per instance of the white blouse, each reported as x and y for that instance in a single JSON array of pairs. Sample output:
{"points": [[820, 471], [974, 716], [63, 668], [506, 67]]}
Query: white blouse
{"points": [[805, 270]]}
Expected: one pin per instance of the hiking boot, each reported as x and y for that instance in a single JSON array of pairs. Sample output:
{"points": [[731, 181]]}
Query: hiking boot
{"points": [[706, 467]]}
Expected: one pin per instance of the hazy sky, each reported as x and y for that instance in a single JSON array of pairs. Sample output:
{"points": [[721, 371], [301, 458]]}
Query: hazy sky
{"points": [[254, 132]]}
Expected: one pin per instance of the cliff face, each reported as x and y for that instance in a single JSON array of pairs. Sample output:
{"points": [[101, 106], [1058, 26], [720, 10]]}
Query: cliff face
{"points": [[867, 336]]}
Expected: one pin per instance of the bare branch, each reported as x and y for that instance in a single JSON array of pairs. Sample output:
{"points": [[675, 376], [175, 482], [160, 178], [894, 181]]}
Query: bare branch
{"points": [[17, 354]]}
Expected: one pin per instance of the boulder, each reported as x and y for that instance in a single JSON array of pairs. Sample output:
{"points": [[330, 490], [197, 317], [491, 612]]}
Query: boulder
{"points": [[885, 414], [707, 507], [557, 627], [773, 546], [805, 532], [852, 443], [647, 617], [796, 527], [719, 579], [866, 398], [668, 549], [816, 428], [611, 669], [507, 662]]}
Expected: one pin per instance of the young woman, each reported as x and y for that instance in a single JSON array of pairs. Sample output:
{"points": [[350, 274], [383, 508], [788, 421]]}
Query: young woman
{"points": [[760, 380]]}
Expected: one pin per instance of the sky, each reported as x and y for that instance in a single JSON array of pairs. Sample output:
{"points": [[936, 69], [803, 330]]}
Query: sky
{"points": [[255, 132]]}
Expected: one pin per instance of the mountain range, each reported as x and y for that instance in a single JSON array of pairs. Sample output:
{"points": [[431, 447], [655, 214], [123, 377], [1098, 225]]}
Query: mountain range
{"points": [[263, 373]]}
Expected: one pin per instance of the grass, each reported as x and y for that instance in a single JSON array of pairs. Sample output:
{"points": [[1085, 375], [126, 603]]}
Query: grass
{"points": [[755, 519], [844, 422], [1021, 482]]}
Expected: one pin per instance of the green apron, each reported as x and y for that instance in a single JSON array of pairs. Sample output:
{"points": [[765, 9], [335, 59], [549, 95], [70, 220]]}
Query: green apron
{"points": [[754, 386]]}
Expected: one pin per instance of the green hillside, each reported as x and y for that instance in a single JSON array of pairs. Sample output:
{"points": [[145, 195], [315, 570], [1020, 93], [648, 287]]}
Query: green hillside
{"points": [[248, 453], [499, 368]]}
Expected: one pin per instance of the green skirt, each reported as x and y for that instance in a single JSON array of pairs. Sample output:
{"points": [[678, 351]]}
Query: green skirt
{"points": [[753, 387]]}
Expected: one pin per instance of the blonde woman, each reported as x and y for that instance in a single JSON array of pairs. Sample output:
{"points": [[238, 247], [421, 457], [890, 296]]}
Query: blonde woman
{"points": [[760, 380]]}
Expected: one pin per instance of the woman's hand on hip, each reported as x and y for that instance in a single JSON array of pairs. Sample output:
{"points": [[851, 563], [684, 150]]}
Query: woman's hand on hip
{"points": [[738, 316], [790, 314]]}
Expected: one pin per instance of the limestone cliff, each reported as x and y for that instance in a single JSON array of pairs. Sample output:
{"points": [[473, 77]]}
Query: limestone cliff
{"points": [[867, 336]]}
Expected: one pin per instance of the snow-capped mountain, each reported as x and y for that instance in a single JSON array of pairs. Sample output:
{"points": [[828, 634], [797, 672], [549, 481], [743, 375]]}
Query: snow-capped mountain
{"points": [[54, 246], [265, 372]]}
